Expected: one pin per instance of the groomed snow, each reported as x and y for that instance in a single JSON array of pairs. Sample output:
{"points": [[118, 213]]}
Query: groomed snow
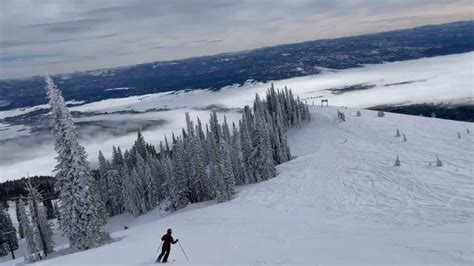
{"points": [[341, 201]]}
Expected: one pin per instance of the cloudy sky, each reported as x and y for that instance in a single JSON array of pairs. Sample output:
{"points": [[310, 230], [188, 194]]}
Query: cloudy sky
{"points": [[68, 35]]}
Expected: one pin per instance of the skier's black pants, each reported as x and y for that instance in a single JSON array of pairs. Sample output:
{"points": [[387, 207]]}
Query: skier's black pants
{"points": [[166, 253]]}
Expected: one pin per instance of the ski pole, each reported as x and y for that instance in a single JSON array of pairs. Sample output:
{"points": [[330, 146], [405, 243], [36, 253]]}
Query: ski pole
{"points": [[159, 246], [183, 250]]}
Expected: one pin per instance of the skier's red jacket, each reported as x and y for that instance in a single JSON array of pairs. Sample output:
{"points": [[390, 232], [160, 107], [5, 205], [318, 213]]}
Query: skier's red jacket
{"points": [[167, 240]]}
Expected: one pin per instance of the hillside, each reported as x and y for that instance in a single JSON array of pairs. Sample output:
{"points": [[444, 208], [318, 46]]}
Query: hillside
{"points": [[340, 201]]}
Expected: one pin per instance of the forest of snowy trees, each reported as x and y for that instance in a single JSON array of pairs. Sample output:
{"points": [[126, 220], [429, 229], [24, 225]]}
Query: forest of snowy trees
{"points": [[204, 162], [33, 225]]}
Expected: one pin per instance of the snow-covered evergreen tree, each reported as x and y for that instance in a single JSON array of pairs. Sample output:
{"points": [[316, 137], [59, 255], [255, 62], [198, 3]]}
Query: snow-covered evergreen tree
{"points": [[214, 127], [82, 215], [214, 138], [219, 185], [236, 157], [7, 233], [166, 166], [148, 182], [17, 212], [41, 226], [115, 183], [133, 193], [117, 158], [262, 165], [179, 189], [23, 220], [199, 179], [102, 182], [246, 145], [140, 145], [226, 180], [114, 194]]}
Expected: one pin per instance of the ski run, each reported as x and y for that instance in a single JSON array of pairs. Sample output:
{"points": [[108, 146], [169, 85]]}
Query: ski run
{"points": [[342, 200]]}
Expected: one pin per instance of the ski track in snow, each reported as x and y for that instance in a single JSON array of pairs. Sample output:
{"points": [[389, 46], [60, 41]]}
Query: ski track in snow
{"points": [[347, 170], [340, 200]]}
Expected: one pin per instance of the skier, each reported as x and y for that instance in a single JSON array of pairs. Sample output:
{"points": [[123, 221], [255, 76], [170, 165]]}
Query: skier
{"points": [[165, 250]]}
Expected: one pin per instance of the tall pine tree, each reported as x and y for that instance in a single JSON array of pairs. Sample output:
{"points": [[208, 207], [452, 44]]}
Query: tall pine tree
{"points": [[82, 215]]}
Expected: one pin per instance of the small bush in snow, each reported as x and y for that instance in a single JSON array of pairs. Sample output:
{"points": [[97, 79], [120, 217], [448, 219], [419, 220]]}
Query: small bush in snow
{"points": [[404, 137], [467, 131], [459, 135], [380, 114], [359, 114], [398, 133], [397, 162], [341, 115], [438, 162]]}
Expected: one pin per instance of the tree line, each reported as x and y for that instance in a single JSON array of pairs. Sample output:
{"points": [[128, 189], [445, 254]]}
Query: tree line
{"points": [[204, 162], [9, 190]]}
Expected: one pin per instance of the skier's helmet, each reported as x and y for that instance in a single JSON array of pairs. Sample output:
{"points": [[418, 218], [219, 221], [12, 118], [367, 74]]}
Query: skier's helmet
{"points": [[169, 231]]}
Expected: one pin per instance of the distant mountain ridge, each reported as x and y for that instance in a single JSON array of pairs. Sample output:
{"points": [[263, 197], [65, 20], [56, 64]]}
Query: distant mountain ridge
{"points": [[262, 64]]}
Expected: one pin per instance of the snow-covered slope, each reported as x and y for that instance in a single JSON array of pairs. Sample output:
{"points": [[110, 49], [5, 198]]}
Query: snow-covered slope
{"points": [[340, 201]]}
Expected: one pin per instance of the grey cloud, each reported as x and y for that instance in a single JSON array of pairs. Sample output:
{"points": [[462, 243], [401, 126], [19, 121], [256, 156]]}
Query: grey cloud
{"points": [[208, 41], [25, 57], [146, 30], [100, 37], [72, 26], [108, 10], [158, 47], [14, 43], [67, 29], [66, 23], [395, 19], [215, 41]]}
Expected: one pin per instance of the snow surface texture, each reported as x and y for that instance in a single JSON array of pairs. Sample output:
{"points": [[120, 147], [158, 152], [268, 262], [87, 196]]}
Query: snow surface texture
{"points": [[341, 201], [443, 78]]}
